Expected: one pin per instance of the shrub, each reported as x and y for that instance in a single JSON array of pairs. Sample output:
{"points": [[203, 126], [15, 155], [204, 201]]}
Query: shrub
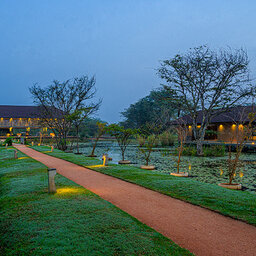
{"points": [[189, 151], [167, 138], [209, 150], [214, 150], [8, 141]]}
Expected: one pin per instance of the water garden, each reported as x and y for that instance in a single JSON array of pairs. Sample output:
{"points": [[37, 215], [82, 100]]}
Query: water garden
{"points": [[208, 169]]}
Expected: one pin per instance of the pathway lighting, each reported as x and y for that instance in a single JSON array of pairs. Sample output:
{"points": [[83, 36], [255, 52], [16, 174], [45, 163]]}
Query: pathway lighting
{"points": [[51, 182], [105, 159]]}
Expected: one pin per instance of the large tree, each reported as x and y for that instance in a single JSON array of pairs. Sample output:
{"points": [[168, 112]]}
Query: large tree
{"points": [[158, 107], [62, 100], [207, 80]]}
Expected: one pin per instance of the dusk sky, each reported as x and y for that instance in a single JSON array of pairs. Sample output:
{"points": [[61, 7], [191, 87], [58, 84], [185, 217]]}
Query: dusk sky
{"points": [[119, 41]]}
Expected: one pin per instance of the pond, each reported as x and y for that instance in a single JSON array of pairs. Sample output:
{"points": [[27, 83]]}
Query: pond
{"points": [[204, 169]]}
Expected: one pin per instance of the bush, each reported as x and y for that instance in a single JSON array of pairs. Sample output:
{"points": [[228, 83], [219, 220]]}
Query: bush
{"points": [[209, 150], [167, 138], [214, 150], [189, 151], [8, 141]]}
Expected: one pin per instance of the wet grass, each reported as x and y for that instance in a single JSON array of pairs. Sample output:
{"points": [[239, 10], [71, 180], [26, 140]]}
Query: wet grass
{"points": [[204, 169], [74, 221], [237, 204]]}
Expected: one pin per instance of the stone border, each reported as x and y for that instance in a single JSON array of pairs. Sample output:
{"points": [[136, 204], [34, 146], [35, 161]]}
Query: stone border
{"points": [[180, 174], [148, 167], [231, 186]]}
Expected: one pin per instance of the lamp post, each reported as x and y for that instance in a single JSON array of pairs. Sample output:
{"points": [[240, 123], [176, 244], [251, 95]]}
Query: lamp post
{"points": [[51, 182]]}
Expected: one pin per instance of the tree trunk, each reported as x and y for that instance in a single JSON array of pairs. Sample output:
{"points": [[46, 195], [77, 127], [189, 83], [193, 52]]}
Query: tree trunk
{"points": [[94, 146], [199, 147], [77, 139], [199, 142], [180, 152], [123, 155]]}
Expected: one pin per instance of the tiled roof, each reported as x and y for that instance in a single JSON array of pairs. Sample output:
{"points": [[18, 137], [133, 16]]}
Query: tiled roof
{"points": [[235, 114], [9, 111]]}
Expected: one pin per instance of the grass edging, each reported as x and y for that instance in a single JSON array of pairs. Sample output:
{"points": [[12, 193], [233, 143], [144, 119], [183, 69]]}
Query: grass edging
{"points": [[239, 205]]}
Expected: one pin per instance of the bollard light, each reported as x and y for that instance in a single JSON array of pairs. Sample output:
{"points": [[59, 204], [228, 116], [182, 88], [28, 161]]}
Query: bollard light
{"points": [[51, 148], [51, 182], [15, 154], [105, 159]]}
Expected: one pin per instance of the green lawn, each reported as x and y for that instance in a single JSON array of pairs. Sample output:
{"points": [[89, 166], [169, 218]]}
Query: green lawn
{"points": [[74, 221], [237, 204]]}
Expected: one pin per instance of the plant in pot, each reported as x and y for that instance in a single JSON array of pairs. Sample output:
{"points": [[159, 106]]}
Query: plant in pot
{"points": [[150, 142], [182, 133], [102, 127], [241, 135], [123, 137]]}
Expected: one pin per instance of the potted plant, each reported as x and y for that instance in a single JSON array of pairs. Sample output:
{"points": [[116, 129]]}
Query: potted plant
{"points": [[242, 134], [150, 142], [182, 132], [123, 137]]}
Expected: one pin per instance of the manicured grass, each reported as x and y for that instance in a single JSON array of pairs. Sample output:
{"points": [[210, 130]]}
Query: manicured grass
{"points": [[237, 204], [74, 221]]}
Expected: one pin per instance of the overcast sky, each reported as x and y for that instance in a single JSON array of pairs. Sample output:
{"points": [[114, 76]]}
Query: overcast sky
{"points": [[119, 41]]}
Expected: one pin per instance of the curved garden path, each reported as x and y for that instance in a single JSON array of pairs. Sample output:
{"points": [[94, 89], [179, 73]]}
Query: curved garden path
{"points": [[201, 231]]}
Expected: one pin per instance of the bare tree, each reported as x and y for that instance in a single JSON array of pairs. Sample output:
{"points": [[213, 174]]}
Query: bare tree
{"points": [[207, 80], [62, 99], [101, 130], [242, 132], [122, 135], [78, 116], [182, 132]]}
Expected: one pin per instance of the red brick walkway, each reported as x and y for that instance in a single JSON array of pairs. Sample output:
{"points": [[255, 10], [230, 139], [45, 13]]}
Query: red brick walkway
{"points": [[201, 231]]}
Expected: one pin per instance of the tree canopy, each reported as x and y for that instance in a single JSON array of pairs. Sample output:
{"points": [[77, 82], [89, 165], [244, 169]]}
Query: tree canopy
{"points": [[207, 80], [158, 108], [62, 100]]}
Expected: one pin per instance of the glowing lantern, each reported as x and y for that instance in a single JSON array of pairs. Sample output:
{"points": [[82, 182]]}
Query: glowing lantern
{"points": [[221, 171], [241, 174], [189, 167]]}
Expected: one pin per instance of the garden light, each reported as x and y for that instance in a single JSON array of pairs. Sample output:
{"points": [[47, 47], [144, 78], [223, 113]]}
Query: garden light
{"points": [[241, 174], [105, 160], [221, 171]]}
